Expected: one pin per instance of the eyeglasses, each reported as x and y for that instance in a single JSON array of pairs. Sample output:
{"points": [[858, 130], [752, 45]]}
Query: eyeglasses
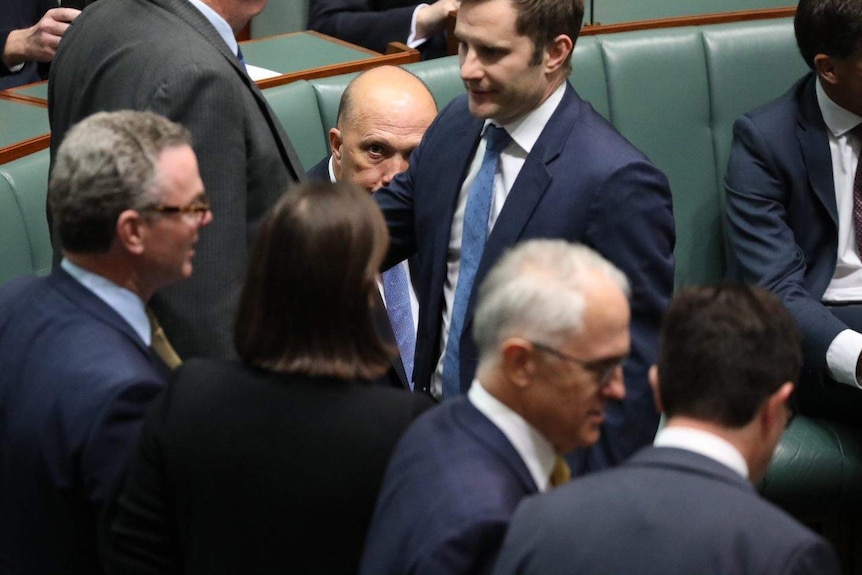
{"points": [[198, 209], [603, 369]]}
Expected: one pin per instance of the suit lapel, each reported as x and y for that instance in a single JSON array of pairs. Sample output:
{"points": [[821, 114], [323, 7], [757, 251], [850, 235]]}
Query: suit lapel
{"points": [[192, 16], [474, 423], [814, 144]]}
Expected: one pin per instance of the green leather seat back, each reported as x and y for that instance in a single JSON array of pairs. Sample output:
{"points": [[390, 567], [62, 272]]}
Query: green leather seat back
{"points": [[672, 127], [296, 108], [280, 17], [25, 246], [588, 74], [328, 92], [749, 65], [616, 11]]}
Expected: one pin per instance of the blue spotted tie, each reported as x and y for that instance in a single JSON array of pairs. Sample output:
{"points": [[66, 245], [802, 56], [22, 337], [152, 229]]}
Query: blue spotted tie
{"points": [[397, 295], [473, 236]]}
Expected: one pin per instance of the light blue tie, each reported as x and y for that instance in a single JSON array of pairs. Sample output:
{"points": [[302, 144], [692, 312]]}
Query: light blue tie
{"points": [[397, 295], [473, 236]]}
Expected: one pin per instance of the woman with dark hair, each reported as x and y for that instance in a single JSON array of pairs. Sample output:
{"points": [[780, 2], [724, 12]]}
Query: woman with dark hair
{"points": [[272, 464]]}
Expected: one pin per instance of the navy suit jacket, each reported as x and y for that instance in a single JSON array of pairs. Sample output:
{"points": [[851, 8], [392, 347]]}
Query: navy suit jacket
{"points": [[75, 381], [170, 60], [583, 182], [449, 491], [782, 219], [371, 23], [666, 511]]}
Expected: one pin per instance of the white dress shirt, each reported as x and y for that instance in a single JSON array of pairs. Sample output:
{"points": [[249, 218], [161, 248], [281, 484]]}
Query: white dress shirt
{"points": [[126, 303], [524, 132], [536, 451], [846, 284], [704, 443]]}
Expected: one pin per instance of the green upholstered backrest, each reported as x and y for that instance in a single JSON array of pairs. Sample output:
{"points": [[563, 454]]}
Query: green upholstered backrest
{"points": [[295, 106], [25, 247], [280, 17], [616, 11], [327, 92]]}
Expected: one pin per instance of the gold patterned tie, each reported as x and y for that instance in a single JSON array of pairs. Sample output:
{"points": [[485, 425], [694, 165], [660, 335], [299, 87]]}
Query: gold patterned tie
{"points": [[160, 343], [561, 473]]}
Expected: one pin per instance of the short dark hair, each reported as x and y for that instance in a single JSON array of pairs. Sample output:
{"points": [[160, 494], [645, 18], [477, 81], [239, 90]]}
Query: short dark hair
{"points": [[544, 20], [107, 164], [831, 27], [723, 350], [307, 303]]}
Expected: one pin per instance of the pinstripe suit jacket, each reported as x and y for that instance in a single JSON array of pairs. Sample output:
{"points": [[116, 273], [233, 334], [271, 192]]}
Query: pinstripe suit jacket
{"points": [[165, 56]]}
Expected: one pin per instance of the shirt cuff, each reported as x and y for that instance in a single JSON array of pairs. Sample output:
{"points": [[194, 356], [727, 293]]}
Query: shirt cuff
{"points": [[412, 42], [16, 68], [842, 356]]}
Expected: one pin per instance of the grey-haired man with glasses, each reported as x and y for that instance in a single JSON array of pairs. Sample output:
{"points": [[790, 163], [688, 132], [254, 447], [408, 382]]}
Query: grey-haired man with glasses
{"points": [[80, 356], [552, 329]]}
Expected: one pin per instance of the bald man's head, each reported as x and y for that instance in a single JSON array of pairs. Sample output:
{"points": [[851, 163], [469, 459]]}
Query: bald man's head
{"points": [[382, 116]]}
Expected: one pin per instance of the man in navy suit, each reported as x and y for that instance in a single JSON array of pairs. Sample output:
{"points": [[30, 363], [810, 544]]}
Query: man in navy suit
{"points": [[375, 23], [552, 328], [790, 204], [77, 370], [30, 31], [382, 115], [566, 173], [728, 357]]}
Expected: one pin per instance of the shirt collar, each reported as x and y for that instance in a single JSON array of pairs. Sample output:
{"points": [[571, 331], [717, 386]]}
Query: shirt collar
{"points": [[331, 170], [220, 24], [536, 451], [837, 119], [126, 303], [525, 131], [705, 443]]}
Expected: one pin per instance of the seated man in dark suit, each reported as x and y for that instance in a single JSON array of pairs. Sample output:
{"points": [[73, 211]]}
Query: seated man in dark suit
{"points": [[375, 23], [552, 326], [80, 358], [794, 204], [30, 31], [381, 118], [728, 357]]}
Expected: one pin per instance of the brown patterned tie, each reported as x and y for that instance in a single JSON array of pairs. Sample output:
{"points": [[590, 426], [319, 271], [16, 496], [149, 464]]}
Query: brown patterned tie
{"points": [[160, 343], [561, 473], [857, 195]]}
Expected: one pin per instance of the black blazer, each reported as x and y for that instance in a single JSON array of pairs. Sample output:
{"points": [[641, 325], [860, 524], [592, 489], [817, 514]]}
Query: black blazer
{"points": [[241, 470]]}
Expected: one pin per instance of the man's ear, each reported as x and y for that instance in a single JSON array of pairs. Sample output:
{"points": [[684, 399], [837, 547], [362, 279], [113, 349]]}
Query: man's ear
{"points": [[335, 142], [656, 388], [517, 359], [557, 52], [131, 231], [825, 68], [775, 409]]}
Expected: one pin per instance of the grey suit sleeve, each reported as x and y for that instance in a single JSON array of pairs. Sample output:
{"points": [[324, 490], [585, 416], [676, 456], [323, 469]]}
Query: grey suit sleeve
{"points": [[197, 313], [763, 244], [815, 558]]}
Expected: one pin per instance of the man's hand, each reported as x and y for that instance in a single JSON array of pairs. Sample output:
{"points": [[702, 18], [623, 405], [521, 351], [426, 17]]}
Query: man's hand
{"points": [[432, 18], [39, 42]]}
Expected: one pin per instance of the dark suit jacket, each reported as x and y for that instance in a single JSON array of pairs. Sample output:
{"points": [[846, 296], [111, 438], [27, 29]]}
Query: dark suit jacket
{"points": [[582, 182], [75, 380], [166, 57], [241, 470], [451, 486], [782, 219], [666, 511], [371, 23], [17, 15]]}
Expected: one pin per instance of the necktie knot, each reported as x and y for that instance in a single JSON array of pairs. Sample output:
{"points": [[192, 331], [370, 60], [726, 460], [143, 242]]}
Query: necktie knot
{"points": [[561, 473], [160, 344], [496, 138]]}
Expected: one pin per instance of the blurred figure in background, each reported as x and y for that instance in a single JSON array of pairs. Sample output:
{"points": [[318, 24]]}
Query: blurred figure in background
{"points": [[262, 463]]}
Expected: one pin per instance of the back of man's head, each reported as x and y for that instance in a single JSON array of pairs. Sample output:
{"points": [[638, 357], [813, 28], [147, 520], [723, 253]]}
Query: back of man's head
{"points": [[830, 27], [723, 351], [105, 165]]}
